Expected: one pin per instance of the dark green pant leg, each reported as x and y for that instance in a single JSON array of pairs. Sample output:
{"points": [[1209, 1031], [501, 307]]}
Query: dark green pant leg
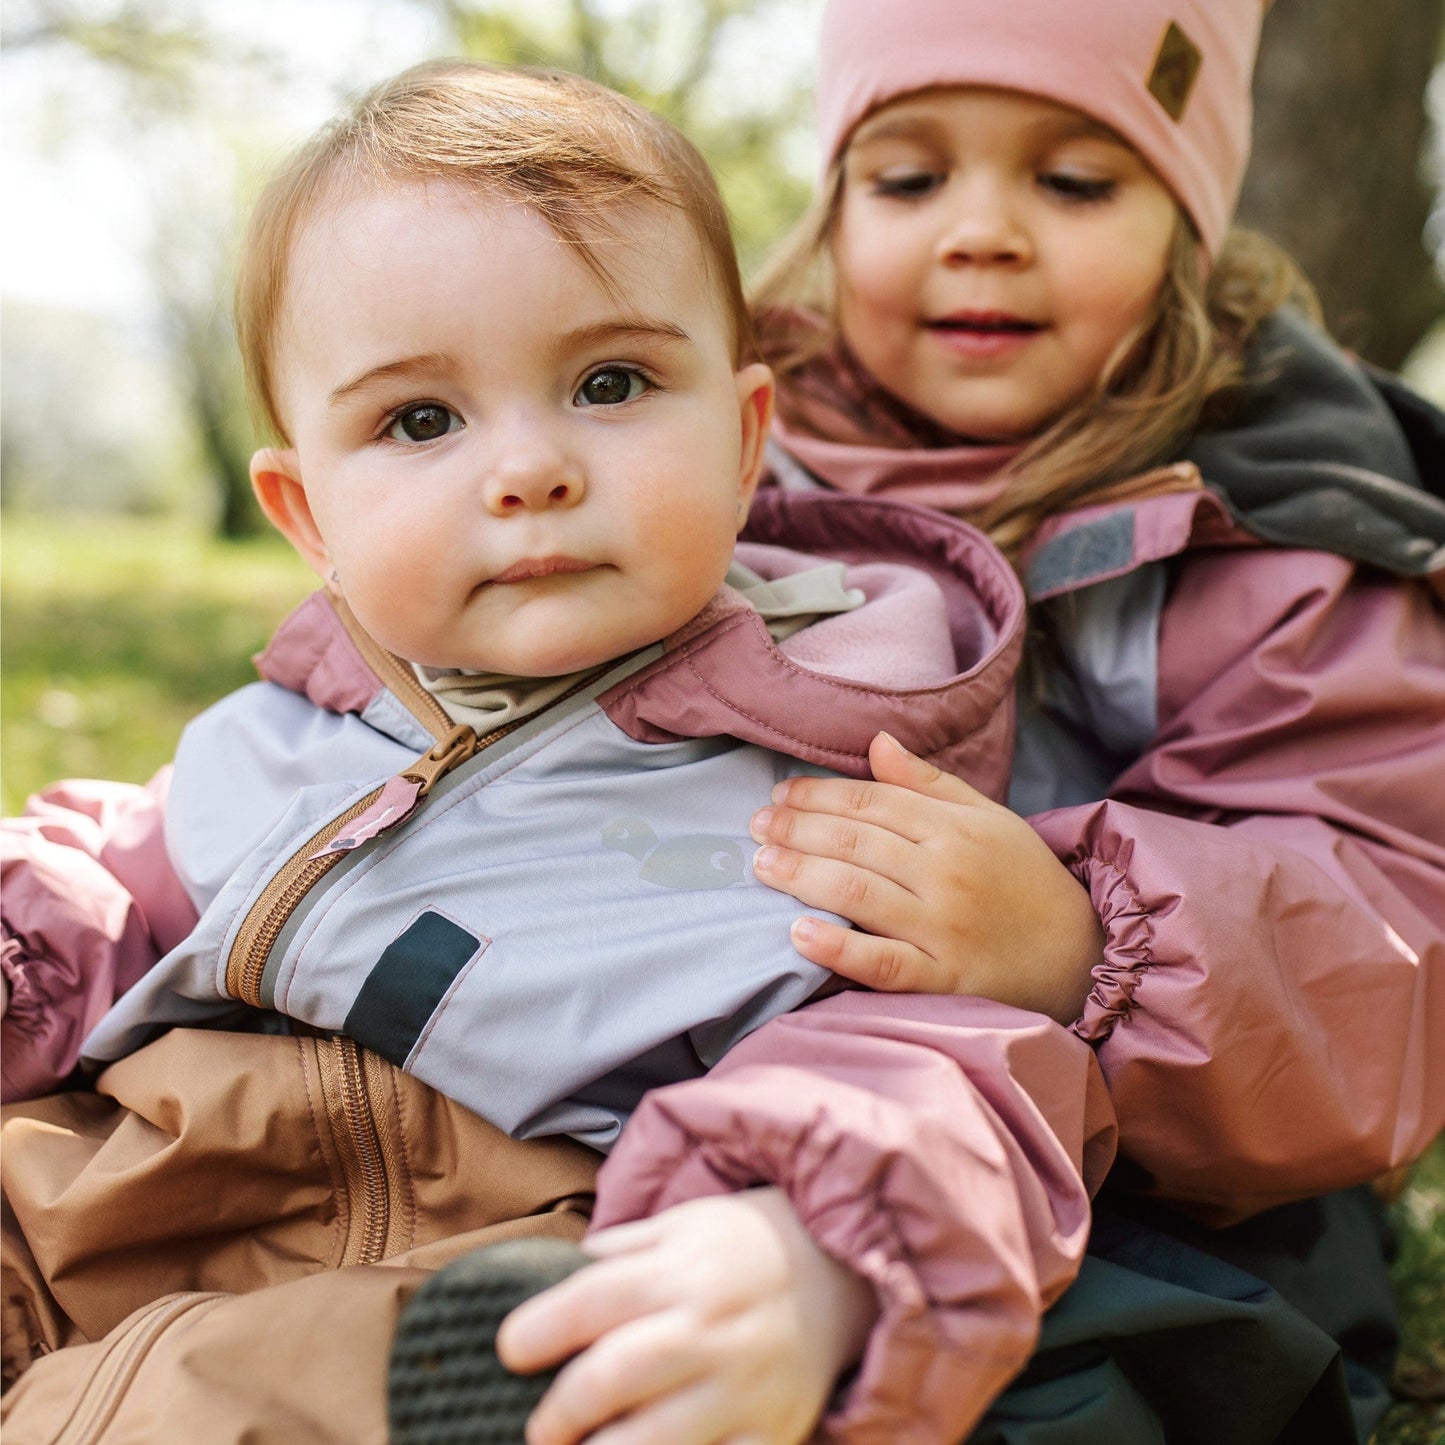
{"points": [[1329, 1259], [1165, 1338]]}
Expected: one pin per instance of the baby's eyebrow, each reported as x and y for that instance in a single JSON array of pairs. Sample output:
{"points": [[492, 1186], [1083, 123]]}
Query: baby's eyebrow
{"points": [[619, 329], [428, 362]]}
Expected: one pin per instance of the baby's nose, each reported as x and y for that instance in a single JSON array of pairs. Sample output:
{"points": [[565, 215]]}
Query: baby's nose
{"points": [[533, 482]]}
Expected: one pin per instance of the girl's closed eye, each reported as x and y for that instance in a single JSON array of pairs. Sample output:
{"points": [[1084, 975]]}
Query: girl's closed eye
{"points": [[421, 421], [1070, 186], [612, 385], [908, 183]]}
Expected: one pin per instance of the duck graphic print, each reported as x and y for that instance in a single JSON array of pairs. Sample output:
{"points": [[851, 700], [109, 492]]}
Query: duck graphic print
{"points": [[687, 863]]}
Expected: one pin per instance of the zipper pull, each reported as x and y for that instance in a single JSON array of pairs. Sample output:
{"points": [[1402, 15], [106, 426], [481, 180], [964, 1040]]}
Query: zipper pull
{"points": [[394, 804], [401, 795], [456, 747]]}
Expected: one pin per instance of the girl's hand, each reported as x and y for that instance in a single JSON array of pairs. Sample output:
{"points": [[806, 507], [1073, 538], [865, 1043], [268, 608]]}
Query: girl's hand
{"points": [[715, 1321], [954, 893]]}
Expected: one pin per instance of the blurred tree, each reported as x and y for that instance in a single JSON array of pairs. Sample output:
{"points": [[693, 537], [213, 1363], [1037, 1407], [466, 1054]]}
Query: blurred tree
{"points": [[1338, 174], [196, 219], [713, 67], [142, 68], [140, 40]]}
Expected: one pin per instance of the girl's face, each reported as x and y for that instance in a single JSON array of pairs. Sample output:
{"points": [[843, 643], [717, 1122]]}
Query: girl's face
{"points": [[992, 251]]}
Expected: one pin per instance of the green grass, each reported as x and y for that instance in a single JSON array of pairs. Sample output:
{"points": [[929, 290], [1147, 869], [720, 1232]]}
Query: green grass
{"points": [[116, 632], [1419, 1275]]}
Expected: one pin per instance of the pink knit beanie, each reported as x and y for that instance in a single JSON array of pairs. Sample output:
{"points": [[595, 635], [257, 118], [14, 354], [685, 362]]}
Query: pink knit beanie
{"points": [[1170, 76]]}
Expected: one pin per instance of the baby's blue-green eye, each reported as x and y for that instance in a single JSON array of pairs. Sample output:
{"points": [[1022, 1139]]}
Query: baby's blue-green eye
{"points": [[610, 386], [423, 423]]}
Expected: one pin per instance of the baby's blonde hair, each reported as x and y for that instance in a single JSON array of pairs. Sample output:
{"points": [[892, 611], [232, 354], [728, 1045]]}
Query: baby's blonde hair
{"points": [[1176, 370], [572, 151]]}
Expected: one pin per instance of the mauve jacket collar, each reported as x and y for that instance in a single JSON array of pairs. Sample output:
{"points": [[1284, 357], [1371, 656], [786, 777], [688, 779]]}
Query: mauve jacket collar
{"points": [[958, 479]]}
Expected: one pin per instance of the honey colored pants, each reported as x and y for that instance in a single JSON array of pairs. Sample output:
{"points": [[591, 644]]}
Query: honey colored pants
{"points": [[213, 1246]]}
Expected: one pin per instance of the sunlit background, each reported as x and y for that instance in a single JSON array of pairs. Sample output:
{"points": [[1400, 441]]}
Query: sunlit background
{"points": [[135, 132]]}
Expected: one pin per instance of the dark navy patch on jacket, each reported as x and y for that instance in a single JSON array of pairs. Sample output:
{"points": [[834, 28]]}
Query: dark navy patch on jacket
{"points": [[410, 979]]}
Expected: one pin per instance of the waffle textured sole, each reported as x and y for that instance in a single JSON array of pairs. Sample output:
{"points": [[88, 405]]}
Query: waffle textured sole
{"points": [[445, 1385]]}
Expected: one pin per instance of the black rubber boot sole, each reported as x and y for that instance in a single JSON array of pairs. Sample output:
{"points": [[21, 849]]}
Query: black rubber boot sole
{"points": [[446, 1385]]}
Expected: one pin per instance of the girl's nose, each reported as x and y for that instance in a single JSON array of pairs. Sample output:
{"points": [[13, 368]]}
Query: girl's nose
{"points": [[533, 477], [983, 228]]}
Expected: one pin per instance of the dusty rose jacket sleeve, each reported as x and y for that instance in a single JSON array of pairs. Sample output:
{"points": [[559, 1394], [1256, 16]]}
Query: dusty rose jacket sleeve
{"points": [[945, 1148], [88, 902], [1271, 875]]}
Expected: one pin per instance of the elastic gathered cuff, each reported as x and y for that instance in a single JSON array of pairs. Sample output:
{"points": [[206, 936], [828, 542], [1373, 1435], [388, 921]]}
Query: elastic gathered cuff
{"points": [[1128, 948]]}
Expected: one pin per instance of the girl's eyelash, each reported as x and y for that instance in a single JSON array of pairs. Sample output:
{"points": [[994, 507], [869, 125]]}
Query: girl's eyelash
{"points": [[906, 186], [1077, 188]]}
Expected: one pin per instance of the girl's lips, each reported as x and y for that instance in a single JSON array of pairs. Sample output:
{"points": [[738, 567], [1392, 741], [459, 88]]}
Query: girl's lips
{"points": [[984, 335], [530, 567]]}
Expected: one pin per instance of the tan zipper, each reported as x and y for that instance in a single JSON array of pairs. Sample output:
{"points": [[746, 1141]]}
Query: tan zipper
{"points": [[101, 1396], [296, 877], [353, 1088], [395, 673], [303, 870]]}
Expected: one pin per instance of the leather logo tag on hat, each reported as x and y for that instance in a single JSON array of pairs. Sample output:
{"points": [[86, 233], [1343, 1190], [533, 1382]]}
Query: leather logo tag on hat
{"points": [[1176, 68]]}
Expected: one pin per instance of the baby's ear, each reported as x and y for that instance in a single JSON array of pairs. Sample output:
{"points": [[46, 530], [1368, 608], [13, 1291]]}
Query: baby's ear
{"points": [[276, 480], [755, 407]]}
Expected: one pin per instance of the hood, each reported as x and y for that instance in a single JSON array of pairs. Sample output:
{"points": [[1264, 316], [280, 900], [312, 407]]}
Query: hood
{"points": [[930, 656]]}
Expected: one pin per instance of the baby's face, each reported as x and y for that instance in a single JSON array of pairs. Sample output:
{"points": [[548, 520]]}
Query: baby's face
{"points": [[508, 466]]}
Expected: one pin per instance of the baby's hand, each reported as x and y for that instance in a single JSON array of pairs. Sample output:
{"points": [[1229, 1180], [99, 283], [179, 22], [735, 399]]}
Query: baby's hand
{"points": [[955, 893], [717, 1320]]}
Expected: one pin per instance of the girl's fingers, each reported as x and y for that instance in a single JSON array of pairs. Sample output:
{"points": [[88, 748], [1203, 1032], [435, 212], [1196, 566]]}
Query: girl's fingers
{"points": [[909, 796], [885, 965], [636, 1364], [623, 1238], [845, 840], [893, 763], [905, 813], [866, 899]]}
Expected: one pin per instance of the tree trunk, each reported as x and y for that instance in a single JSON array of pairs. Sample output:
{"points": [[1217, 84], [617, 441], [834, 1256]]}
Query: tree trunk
{"points": [[1337, 174]]}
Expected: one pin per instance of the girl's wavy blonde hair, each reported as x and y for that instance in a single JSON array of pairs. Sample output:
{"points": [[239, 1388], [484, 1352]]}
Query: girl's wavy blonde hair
{"points": [[574, 152], [1176, 370]]}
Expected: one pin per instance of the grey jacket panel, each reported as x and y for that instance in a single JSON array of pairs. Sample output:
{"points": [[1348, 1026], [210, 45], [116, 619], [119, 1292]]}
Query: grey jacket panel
{"points": [[498, 944], [260, 750], [1092, 708]]}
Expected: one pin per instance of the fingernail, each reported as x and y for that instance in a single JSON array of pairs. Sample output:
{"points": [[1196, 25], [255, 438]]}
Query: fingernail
{"points": [[780, 792], [806, 929], [895, 744], [761, 822], [764, 859]]}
